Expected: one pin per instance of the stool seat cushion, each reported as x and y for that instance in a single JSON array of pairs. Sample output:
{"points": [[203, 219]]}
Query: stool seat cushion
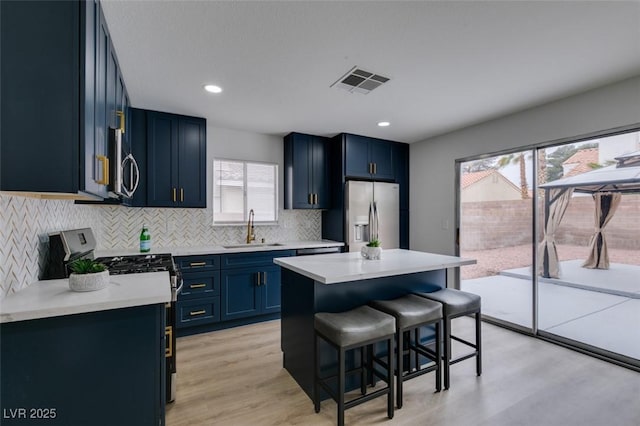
{"points": [[410, 311], [354, 327], [454, 302]]}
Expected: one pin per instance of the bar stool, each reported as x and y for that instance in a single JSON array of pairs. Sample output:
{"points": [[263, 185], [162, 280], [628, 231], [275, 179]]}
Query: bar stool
{"points": [[456, 303], [412, 312], [358, 328]]}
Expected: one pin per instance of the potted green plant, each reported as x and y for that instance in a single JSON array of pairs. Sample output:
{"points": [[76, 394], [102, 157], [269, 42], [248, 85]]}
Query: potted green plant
{"points": [[373, 250], [87, 275]]}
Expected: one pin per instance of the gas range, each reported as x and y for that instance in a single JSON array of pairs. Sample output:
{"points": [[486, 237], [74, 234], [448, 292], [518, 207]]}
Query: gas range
{"points": [[139, 263]]}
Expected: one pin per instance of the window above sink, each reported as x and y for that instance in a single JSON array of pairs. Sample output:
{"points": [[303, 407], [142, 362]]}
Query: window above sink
{"points": [[239, 186]]}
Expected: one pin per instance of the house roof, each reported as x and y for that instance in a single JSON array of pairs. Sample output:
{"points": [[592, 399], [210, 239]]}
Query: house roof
{"points": [[583, 160], [468, 179]]}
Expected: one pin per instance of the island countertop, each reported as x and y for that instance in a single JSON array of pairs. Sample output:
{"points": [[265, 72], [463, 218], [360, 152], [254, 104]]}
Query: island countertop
{"points": [[51, 298], [345, 267]]}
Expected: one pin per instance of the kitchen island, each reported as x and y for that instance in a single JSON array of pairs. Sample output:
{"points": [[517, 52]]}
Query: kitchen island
{"points": [[343, 281]]}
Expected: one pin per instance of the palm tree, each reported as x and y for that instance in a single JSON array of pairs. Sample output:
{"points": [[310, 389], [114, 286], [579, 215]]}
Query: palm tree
{"points": [[518, 158]]}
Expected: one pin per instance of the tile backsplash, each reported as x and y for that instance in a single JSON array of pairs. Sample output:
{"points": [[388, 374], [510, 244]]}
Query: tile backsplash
{"points": [[26, 222]]}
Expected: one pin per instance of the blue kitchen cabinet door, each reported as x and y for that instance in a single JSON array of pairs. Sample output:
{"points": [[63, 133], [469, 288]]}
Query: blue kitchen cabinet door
{"points": [[368, 158], [176, 160], [271, 289], [306, 172], [54, 104], [381, 156], [320, 172], [357, 161], [241, 295], [162, 142], [192, 162]]}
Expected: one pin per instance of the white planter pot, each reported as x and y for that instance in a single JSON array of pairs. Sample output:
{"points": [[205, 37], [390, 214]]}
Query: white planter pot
{"points": [[371, 253], [89, 282]]}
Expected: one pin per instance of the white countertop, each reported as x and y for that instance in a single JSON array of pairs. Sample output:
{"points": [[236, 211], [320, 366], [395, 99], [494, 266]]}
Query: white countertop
{"points": [[343, 267], [220, 249], [51, 298]]}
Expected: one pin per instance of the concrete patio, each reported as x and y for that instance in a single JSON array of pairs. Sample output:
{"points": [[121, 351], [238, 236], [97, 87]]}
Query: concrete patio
{"points": [[597, 307]]}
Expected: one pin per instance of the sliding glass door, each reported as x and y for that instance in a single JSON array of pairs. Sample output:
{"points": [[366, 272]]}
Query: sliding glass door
{"points": [[556, 234], [496, 217]]}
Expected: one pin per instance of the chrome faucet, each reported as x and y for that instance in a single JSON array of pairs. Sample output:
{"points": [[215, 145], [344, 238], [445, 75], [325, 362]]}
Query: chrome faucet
{"points": [[250, 235]]}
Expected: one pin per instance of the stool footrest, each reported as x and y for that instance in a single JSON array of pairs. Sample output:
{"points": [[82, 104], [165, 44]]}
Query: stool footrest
{"points": [[466, 342], [367, 397], [463, 357]]}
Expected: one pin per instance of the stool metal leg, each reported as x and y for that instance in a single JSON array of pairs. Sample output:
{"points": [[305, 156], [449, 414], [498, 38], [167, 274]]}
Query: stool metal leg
{"points": [[400, 355], [316, 374], [363, 371], [447, 350], [341, 377], [478, 344], [390, 378], [438, 355]]}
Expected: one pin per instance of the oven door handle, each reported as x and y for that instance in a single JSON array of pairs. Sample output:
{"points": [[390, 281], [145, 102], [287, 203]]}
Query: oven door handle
{"points": [[179, 289]]}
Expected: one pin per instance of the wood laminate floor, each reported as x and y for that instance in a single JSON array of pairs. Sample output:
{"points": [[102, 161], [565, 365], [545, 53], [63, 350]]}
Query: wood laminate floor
{"points": [[235, 377]]}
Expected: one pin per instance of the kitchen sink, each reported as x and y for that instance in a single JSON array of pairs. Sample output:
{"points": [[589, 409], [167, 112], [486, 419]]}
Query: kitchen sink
{"points": [[232, 246]]}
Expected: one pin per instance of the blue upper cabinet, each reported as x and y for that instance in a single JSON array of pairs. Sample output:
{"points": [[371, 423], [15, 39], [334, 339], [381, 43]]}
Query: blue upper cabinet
{"points": [[306, 172], [57, 100], [369, 158], [176, 168]]}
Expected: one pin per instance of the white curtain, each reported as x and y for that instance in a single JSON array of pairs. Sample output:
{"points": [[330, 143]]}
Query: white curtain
{"points": [[606, 205], [547, 252]]}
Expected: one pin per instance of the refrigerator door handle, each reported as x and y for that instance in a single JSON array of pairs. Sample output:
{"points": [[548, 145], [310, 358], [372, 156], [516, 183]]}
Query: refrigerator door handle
{"points": [[376, 219], [371, 222]]}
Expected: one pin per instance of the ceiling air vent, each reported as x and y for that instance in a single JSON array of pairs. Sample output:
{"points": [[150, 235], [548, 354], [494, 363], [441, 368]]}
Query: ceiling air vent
{"points": [[358, 80]]}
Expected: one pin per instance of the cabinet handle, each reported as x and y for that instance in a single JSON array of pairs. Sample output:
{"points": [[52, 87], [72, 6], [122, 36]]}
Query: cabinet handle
{"points": [[258, 279], [105, 170], [375, 168], [182, 195], [264, 278], [197, 285], [174, 195], [197, 263], [310, 198], [315, 198], [194, 313], [120, 114], [168, 332]]}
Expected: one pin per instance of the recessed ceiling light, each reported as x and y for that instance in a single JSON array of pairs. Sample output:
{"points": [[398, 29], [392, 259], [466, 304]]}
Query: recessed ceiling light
{"points": [[212, 88], [384, 124]]}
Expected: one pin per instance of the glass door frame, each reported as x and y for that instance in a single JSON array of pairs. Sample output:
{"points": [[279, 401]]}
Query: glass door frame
{"points": [[534, 331]]}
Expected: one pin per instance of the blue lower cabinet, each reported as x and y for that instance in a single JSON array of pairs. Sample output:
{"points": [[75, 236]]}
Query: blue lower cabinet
{"points": [[99, 368], [199, 311], [200, 284], [241, 293], [223, 291], [271, 290], [250, 292]]}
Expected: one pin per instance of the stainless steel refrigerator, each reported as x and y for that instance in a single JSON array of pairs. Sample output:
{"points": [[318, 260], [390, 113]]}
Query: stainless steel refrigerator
{"points": [[372, 211]]}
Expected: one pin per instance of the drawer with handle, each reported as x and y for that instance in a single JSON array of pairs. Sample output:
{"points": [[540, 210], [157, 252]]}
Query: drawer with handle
{"points": [[200, 284], [196, 263], [198, 311]]}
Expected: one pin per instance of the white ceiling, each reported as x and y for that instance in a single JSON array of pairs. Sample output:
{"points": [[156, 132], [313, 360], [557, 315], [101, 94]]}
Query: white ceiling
{"points": [[451, 64]]}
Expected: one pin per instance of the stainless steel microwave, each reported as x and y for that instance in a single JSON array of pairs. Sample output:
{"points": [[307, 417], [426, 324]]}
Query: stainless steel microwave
{"points": [[124, 174]]}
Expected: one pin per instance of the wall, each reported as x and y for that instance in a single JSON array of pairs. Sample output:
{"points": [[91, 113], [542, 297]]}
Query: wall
{"points": [[432, 162], [26, 222], [494, 224]]}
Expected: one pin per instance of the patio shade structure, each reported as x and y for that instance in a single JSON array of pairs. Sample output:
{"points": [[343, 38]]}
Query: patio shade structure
{"points": [[607, 185]]}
